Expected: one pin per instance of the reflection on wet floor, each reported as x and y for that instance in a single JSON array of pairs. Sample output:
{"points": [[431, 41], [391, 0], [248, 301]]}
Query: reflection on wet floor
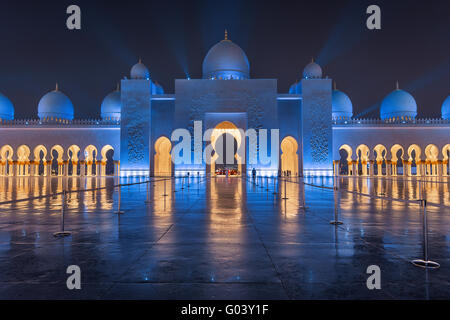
{"points": [[250, 238]]}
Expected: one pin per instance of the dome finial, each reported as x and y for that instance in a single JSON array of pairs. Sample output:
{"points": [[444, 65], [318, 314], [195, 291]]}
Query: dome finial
{"points": [[334, 85], [140, 60], [397, 87], [226, 34], [312, 59], [118, 86], [56, 87]]}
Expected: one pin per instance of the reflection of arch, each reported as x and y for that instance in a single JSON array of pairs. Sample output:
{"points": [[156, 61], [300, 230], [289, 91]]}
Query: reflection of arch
{"points": [[107, 163], [163, 158], [289, 157], [381, 151], [445, 162], [416, 159], [220, 129], [90, 155], [23, 154], [6, 156], [395, 160], [431, 163], [362, 157]]}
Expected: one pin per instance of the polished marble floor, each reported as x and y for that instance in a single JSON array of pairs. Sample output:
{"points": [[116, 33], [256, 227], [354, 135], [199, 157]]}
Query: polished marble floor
{"points": [[222, 238]]}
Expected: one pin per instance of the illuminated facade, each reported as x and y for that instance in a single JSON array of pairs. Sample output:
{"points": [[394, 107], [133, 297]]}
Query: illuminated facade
{"points": [[317, 134]]}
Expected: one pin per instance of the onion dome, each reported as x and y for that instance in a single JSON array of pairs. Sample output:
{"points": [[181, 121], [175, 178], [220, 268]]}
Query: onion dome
{"points": [[6, 108], [446, 109], [342, 107], [312, 71], [139, 71], [226, 60], [55, 105], [112, 106], [399, 104]]}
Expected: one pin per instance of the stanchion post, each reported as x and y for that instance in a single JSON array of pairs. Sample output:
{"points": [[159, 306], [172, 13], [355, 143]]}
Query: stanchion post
{"points": [[62, 233], [119, 201], [425, 263], [336, 205], [274, 189], [285, 193], [165, 193], [148, 192]]}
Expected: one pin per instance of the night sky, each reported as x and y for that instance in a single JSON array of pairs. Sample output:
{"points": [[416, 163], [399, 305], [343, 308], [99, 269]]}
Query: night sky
{"points": [[172, 38]]}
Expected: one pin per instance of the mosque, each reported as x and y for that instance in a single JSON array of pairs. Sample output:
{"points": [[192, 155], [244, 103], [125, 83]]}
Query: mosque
{"points": [[317, 132]]}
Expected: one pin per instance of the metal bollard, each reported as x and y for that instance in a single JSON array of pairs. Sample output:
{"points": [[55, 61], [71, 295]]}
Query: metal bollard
{"points": [[285, 191], [165, 193], [62, 233], [274, 189], [425, 263], [148, 192], [336, 207], [119, 202]]}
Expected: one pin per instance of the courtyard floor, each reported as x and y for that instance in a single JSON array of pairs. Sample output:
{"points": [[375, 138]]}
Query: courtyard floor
{"points": [[222, 238]]}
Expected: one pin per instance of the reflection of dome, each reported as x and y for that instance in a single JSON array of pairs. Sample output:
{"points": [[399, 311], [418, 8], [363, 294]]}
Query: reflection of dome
{"points": [[226, 60], [6, 108], [342, 107], [445, 111], [312, 71], [56, 105], [112, 105], [398, 104], [139, 71]]}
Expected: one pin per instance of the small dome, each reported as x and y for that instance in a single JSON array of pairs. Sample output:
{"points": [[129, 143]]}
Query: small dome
{"points": [[139, 71], [294, 88], [157, 88], [112, 106], [6, 108], [226, 60], [398, 104], [342, 107], [312, 71], [446, 109], [56, 105]]}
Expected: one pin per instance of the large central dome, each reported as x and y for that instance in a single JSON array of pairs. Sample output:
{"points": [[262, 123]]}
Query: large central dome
{"points": [[226, 60]]}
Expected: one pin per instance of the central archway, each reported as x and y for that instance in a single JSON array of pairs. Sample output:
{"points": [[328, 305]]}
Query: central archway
{"points": [[289, 156], [225, 127], [163, 158]]}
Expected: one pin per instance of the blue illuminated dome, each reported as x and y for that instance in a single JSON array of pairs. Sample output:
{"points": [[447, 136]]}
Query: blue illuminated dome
{"points": [[55, 105], [226, 60], [446, 109], [139, 71], [112, 106], [342, 107], [6, 108], [397, 105], [312, 71]]}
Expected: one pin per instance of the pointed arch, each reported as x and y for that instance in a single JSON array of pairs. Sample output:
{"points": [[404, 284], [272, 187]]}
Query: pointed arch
{"points": [[380, 151], [163, 158], [289, 156], [397, 163]]}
